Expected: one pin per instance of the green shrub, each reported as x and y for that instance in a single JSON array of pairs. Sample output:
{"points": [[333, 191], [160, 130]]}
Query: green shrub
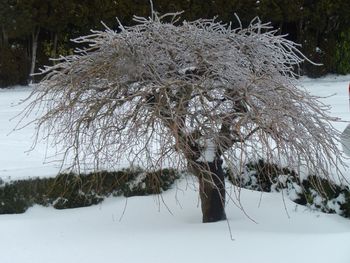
{"points": [[13, 66], [70, 190], [342, 53]]}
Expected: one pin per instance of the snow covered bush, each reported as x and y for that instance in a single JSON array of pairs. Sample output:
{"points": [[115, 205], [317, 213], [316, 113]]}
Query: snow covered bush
{"points": [[187, 95], [314, 192], [325, 196], [262, 176]]}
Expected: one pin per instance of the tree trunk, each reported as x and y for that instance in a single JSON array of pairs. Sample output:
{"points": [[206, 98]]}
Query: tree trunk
{"points": [[212, 190], [4, 37], [35, 36], [54, 48]]}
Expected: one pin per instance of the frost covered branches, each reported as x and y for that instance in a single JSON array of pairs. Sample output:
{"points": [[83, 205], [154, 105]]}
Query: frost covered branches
{"points": [[185, 93]]}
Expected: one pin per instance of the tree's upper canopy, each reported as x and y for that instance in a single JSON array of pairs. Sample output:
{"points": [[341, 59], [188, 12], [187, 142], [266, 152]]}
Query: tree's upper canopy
{"points": [[159, 91]]}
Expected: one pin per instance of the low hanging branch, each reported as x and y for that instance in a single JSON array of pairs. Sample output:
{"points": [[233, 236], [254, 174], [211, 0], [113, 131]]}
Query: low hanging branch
{"points": [[189, 94]]}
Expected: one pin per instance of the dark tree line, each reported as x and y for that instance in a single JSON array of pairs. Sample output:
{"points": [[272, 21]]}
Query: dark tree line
{"points": [[34, 30]]}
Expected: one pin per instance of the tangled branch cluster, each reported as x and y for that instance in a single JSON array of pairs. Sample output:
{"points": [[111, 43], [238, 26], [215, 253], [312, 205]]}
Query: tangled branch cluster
{"points": [[170, 93]]}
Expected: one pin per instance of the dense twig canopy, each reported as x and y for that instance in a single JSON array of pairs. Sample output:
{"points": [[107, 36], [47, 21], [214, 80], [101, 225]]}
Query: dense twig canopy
{"points": [[170, 93]]}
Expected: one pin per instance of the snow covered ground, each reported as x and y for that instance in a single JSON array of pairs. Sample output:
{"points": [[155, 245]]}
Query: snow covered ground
{"points": [[147, 232], [15, 160]]}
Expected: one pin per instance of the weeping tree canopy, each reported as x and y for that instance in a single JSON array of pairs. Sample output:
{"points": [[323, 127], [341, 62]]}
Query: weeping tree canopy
{"points": [[165, 93]]}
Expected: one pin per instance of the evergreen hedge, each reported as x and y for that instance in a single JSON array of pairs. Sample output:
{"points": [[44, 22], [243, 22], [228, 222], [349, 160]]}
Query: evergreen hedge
{"points": [[69, 190]]}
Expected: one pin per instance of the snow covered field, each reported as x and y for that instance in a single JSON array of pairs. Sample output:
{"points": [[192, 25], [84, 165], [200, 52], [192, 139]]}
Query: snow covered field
{"points": [[148, 232], [15, 161]]}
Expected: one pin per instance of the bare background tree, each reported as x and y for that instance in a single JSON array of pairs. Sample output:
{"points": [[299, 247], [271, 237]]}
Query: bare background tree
{"points": [[193, 94]]}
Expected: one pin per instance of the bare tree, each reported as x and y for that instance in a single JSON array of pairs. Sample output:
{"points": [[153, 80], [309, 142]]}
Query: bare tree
{"points": [[192, 94]]}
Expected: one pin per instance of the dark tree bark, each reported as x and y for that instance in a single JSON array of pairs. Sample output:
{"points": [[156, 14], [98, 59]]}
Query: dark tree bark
{"points": [[212, 191]]}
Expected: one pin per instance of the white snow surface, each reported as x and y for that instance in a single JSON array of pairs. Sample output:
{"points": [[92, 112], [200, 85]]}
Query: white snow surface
{"points": [[142, 230], [15, 160]]}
